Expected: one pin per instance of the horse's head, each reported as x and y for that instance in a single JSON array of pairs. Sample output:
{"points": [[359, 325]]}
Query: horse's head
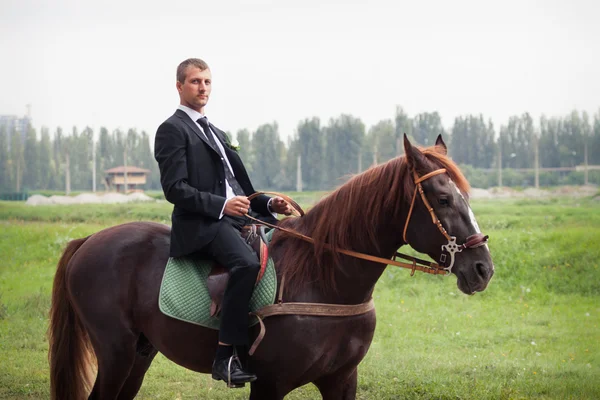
{"points": [[456, 242]]}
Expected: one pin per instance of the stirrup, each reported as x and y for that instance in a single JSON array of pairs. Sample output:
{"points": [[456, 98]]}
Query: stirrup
{"points": [[229, 383]]}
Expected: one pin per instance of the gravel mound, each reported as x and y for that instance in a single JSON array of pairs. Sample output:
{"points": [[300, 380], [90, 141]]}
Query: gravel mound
{"points": [[38, 200], [532, 193], [477, 193], [88, 198]]}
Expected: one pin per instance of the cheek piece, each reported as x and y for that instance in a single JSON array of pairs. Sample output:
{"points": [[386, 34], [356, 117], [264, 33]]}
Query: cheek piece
{"points": [[450, 248]]}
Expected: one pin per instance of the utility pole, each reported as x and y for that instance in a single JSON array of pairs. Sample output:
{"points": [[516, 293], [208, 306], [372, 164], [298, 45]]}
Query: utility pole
{"points": [[585, 161], [375, 155], [19, 175], [537, 162], [299, 174], [68, 174], [359, 161], [499, 163], [125, 165], [93, 164]]}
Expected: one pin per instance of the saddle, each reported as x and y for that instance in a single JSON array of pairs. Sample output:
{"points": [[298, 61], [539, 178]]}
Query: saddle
{"points": [[255, 237]]}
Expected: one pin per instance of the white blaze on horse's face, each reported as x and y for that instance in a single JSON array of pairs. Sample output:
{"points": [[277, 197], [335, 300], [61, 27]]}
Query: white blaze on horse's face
{"points": [[471, 214]]}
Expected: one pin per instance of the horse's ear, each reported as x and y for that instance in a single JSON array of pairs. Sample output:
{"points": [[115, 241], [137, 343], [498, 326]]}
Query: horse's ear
{"points": [[414, 157], [440, 145]]}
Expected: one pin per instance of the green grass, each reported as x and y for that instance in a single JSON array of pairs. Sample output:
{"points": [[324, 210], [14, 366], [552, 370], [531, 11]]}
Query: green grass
{"points": [[533, 334]]}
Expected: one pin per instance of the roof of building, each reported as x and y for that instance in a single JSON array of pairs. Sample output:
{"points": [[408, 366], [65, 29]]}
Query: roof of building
{"points": [[121, 170]]}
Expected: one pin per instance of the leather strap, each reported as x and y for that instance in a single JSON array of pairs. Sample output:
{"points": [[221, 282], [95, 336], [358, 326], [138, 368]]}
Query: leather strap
{"points": [[316, 309], [295, 206], [429, 267], [419, 188], [476, 240], [313, 309], [429, 175]]}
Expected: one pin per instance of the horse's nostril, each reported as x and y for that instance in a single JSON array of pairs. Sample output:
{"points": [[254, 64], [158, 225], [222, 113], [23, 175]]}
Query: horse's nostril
{"points": [[481, 270]]}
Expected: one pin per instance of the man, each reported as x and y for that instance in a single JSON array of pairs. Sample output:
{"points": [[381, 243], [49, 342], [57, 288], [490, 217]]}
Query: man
{"points": [[206, 181]]}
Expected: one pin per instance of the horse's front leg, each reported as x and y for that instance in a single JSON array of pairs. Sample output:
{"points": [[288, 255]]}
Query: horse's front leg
{"points": [[262, 389], [338, 386]]}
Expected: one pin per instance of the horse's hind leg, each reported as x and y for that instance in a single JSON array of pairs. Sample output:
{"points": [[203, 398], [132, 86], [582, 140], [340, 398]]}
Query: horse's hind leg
{"points": [[143, 358], [340, 386], [116, 358]]}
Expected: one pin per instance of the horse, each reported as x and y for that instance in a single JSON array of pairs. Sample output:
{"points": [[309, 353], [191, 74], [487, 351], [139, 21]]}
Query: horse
{"points": [[105, 319]]}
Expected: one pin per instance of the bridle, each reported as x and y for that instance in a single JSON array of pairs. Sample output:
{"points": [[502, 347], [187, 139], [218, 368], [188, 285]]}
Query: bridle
{"points": [[342, 310], [476, 240], [417, 264]]}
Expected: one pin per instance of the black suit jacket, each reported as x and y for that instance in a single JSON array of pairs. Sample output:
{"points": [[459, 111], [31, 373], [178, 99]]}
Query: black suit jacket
{"points": [[193, 179]]}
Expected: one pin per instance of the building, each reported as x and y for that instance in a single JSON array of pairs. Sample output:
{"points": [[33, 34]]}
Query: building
{"points": [[10, 123], [136, 177]]}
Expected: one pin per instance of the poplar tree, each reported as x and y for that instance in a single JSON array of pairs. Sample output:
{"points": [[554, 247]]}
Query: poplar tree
{"points": [[47, 171], [379, 144], [311, 148], [403, 125], [267, 162], [426, 127], [245, 148], [31, 169], [5, 179], [344, 138]]}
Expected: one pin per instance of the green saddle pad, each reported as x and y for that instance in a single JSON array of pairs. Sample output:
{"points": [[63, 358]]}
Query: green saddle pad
{"points": [[184, 293]]}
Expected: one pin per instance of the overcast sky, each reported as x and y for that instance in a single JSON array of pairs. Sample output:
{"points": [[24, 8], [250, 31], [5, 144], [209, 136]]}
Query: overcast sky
{"points": [[112, 63]]}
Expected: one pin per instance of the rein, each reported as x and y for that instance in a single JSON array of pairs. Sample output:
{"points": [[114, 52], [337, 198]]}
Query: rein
{"points": [[343, 310], [416, 265]]}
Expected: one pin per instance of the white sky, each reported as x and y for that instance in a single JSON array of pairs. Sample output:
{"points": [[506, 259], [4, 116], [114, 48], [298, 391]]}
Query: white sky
{"points": [[113, 63]]}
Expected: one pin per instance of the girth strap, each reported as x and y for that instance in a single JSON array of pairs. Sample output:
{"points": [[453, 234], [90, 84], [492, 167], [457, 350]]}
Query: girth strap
{"points": [[314, 309]]}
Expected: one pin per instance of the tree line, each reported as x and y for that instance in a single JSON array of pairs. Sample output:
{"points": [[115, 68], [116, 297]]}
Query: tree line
{"points": [[329, 152], [29, 162]]}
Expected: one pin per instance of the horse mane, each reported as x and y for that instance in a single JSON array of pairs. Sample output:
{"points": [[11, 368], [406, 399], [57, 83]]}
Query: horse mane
{"points": [[342, 219]]}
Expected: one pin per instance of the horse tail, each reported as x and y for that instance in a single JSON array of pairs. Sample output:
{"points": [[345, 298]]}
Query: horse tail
{"points": [[71, 354]]}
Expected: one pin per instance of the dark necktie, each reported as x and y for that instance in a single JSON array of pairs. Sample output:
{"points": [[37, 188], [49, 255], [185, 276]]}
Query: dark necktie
{"points": [[237, 189]]}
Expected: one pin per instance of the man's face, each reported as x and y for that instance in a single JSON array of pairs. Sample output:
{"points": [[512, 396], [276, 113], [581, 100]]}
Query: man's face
{"points": [[195, 91]]}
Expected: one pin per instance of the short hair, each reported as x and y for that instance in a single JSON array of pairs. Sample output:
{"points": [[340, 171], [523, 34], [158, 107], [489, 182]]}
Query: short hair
{"points": [[194, 62]]}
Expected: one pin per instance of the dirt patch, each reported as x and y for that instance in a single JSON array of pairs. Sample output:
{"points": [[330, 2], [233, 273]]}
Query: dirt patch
{"points": [[532, 193], [88, 198]]}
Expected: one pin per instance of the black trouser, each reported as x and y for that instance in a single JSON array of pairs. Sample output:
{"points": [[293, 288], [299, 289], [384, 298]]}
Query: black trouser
{"points": [[231, 251]]}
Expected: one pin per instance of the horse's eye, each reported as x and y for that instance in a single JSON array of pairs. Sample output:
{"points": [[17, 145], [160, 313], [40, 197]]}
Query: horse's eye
{"points": [[443, 201]]}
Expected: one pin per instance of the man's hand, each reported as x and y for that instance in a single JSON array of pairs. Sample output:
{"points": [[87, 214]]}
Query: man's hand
{"points": [[280, 206], [237, 206]]}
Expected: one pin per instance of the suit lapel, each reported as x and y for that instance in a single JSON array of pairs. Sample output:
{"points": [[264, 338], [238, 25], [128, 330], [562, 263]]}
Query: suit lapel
{"points": [[188, 121], [219, 133]]}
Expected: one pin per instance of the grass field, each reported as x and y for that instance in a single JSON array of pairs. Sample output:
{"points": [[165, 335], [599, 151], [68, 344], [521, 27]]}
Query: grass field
{"points": [[533, 334]]}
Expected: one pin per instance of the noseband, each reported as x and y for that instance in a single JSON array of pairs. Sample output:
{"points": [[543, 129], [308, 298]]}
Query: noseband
{"points": [[476, 240]]}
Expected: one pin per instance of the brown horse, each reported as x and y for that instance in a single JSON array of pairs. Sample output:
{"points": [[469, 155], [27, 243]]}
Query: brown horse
{"points": [[105, 294]]}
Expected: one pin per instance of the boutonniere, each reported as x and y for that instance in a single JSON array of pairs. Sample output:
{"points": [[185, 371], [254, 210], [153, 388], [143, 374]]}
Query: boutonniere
{"points": [[232, 144]]}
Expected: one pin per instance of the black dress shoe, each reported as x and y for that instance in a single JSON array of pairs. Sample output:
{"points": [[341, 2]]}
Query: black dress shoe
{"points": [[230, 371]]}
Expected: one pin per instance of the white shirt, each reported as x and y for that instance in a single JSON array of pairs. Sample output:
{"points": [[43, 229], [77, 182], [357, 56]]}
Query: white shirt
{"points": [[229, 194], [195, 116]]}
